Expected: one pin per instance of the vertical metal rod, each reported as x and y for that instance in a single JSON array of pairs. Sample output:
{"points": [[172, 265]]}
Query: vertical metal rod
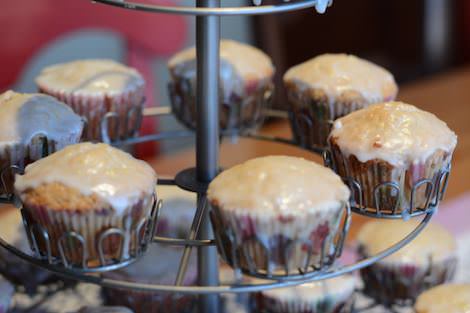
{"points": [[207, 139]]}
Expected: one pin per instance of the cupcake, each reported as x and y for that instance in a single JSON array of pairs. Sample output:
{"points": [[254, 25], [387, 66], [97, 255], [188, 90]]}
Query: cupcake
{"points": [[14, 269], [449, 298], [330, 296], [95, 89], [6, 295], [104, 309], [278, 214], [148, 271], [245, 87], [429, 260], [330, 86], [398, 154], [95, 191], [32, 126]]}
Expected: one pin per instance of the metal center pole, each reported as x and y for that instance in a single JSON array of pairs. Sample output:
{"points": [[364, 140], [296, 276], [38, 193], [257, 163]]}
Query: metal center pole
{"points": [[207, 140]]}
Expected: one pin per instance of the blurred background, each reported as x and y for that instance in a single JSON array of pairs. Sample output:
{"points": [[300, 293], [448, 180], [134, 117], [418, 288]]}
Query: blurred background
{"points": [[413, 39]]}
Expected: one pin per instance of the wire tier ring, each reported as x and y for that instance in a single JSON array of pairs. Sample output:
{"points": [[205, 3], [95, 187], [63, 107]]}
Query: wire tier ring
{"points": [[293, 5]]}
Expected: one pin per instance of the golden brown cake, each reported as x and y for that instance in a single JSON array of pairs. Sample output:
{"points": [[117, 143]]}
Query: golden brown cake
{"points": [[246, 84], [448, 298], [392, 142], [94, 88], [330, 86], [87, 189], [32, 126], [290, 204], [429, 260]]}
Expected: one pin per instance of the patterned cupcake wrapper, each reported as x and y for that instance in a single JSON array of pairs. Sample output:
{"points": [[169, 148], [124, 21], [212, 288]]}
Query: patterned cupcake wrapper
{"points": [[401, 284], [236, 112], [150, 302], [311, 119], [266, 304], [87, 239], [14, 157], [378, 187], [258, 245], [108, 118]]}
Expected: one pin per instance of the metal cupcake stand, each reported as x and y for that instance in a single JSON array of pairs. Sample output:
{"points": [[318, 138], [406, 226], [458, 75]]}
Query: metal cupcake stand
{"points": [[201, 235]]}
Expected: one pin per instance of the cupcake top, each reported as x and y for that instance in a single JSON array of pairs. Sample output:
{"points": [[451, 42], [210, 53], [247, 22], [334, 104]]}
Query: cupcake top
{"points": [[339, 288], [448, 298], [23, 116], [104, 309], [340, 75], [377, 236], [248, 62], [95, 77], [98, 170], [278, 185], [396, 132]]}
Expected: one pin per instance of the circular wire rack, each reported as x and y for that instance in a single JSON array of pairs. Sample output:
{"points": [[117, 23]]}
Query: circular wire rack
{"points": [[185, 180]]}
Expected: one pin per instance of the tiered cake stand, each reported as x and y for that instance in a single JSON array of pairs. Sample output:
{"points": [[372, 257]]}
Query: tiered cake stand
{"points": [[196, 179]]}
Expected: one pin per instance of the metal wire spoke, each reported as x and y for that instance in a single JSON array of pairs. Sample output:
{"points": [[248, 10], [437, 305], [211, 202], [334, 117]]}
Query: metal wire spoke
{"points": [[193, 234]]}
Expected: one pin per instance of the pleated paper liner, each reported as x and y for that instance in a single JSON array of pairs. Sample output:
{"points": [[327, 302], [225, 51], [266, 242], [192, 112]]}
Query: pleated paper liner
{"points": [[121, 113], [236, 112], [90, 238]]}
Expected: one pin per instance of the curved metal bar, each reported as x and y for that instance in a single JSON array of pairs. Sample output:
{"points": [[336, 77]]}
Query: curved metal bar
{"points": [[253, 10], [183, 242], [275, 283]]}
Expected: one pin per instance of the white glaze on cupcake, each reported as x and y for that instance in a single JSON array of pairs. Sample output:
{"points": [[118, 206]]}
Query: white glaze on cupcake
{"points": [[115, 176], [23, 116], [278, 185], [240, 64], [396, 132], [93, 77], [433, 243], [281, 193], [336, 74], [449, 298], [338, 289]]}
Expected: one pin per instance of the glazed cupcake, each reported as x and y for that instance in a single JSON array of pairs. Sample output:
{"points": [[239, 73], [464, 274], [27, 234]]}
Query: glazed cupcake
{"points": [[14, 269], [6, 295], [429, 260], [330, 86], [245, 87], [96, 88], [277, 214], [396, 144], [86, 190], [449, 298], [32, 126], [148, 271], [330, 296]]}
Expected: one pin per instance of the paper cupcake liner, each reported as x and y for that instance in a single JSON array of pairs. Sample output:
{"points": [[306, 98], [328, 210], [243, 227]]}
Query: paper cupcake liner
{"points": [[374, 173], [311, 118], [236, 112], [266, 304], [21, 154], [63, 226], [127, 106], [277, 245], [149, 302], [400, 283]]}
